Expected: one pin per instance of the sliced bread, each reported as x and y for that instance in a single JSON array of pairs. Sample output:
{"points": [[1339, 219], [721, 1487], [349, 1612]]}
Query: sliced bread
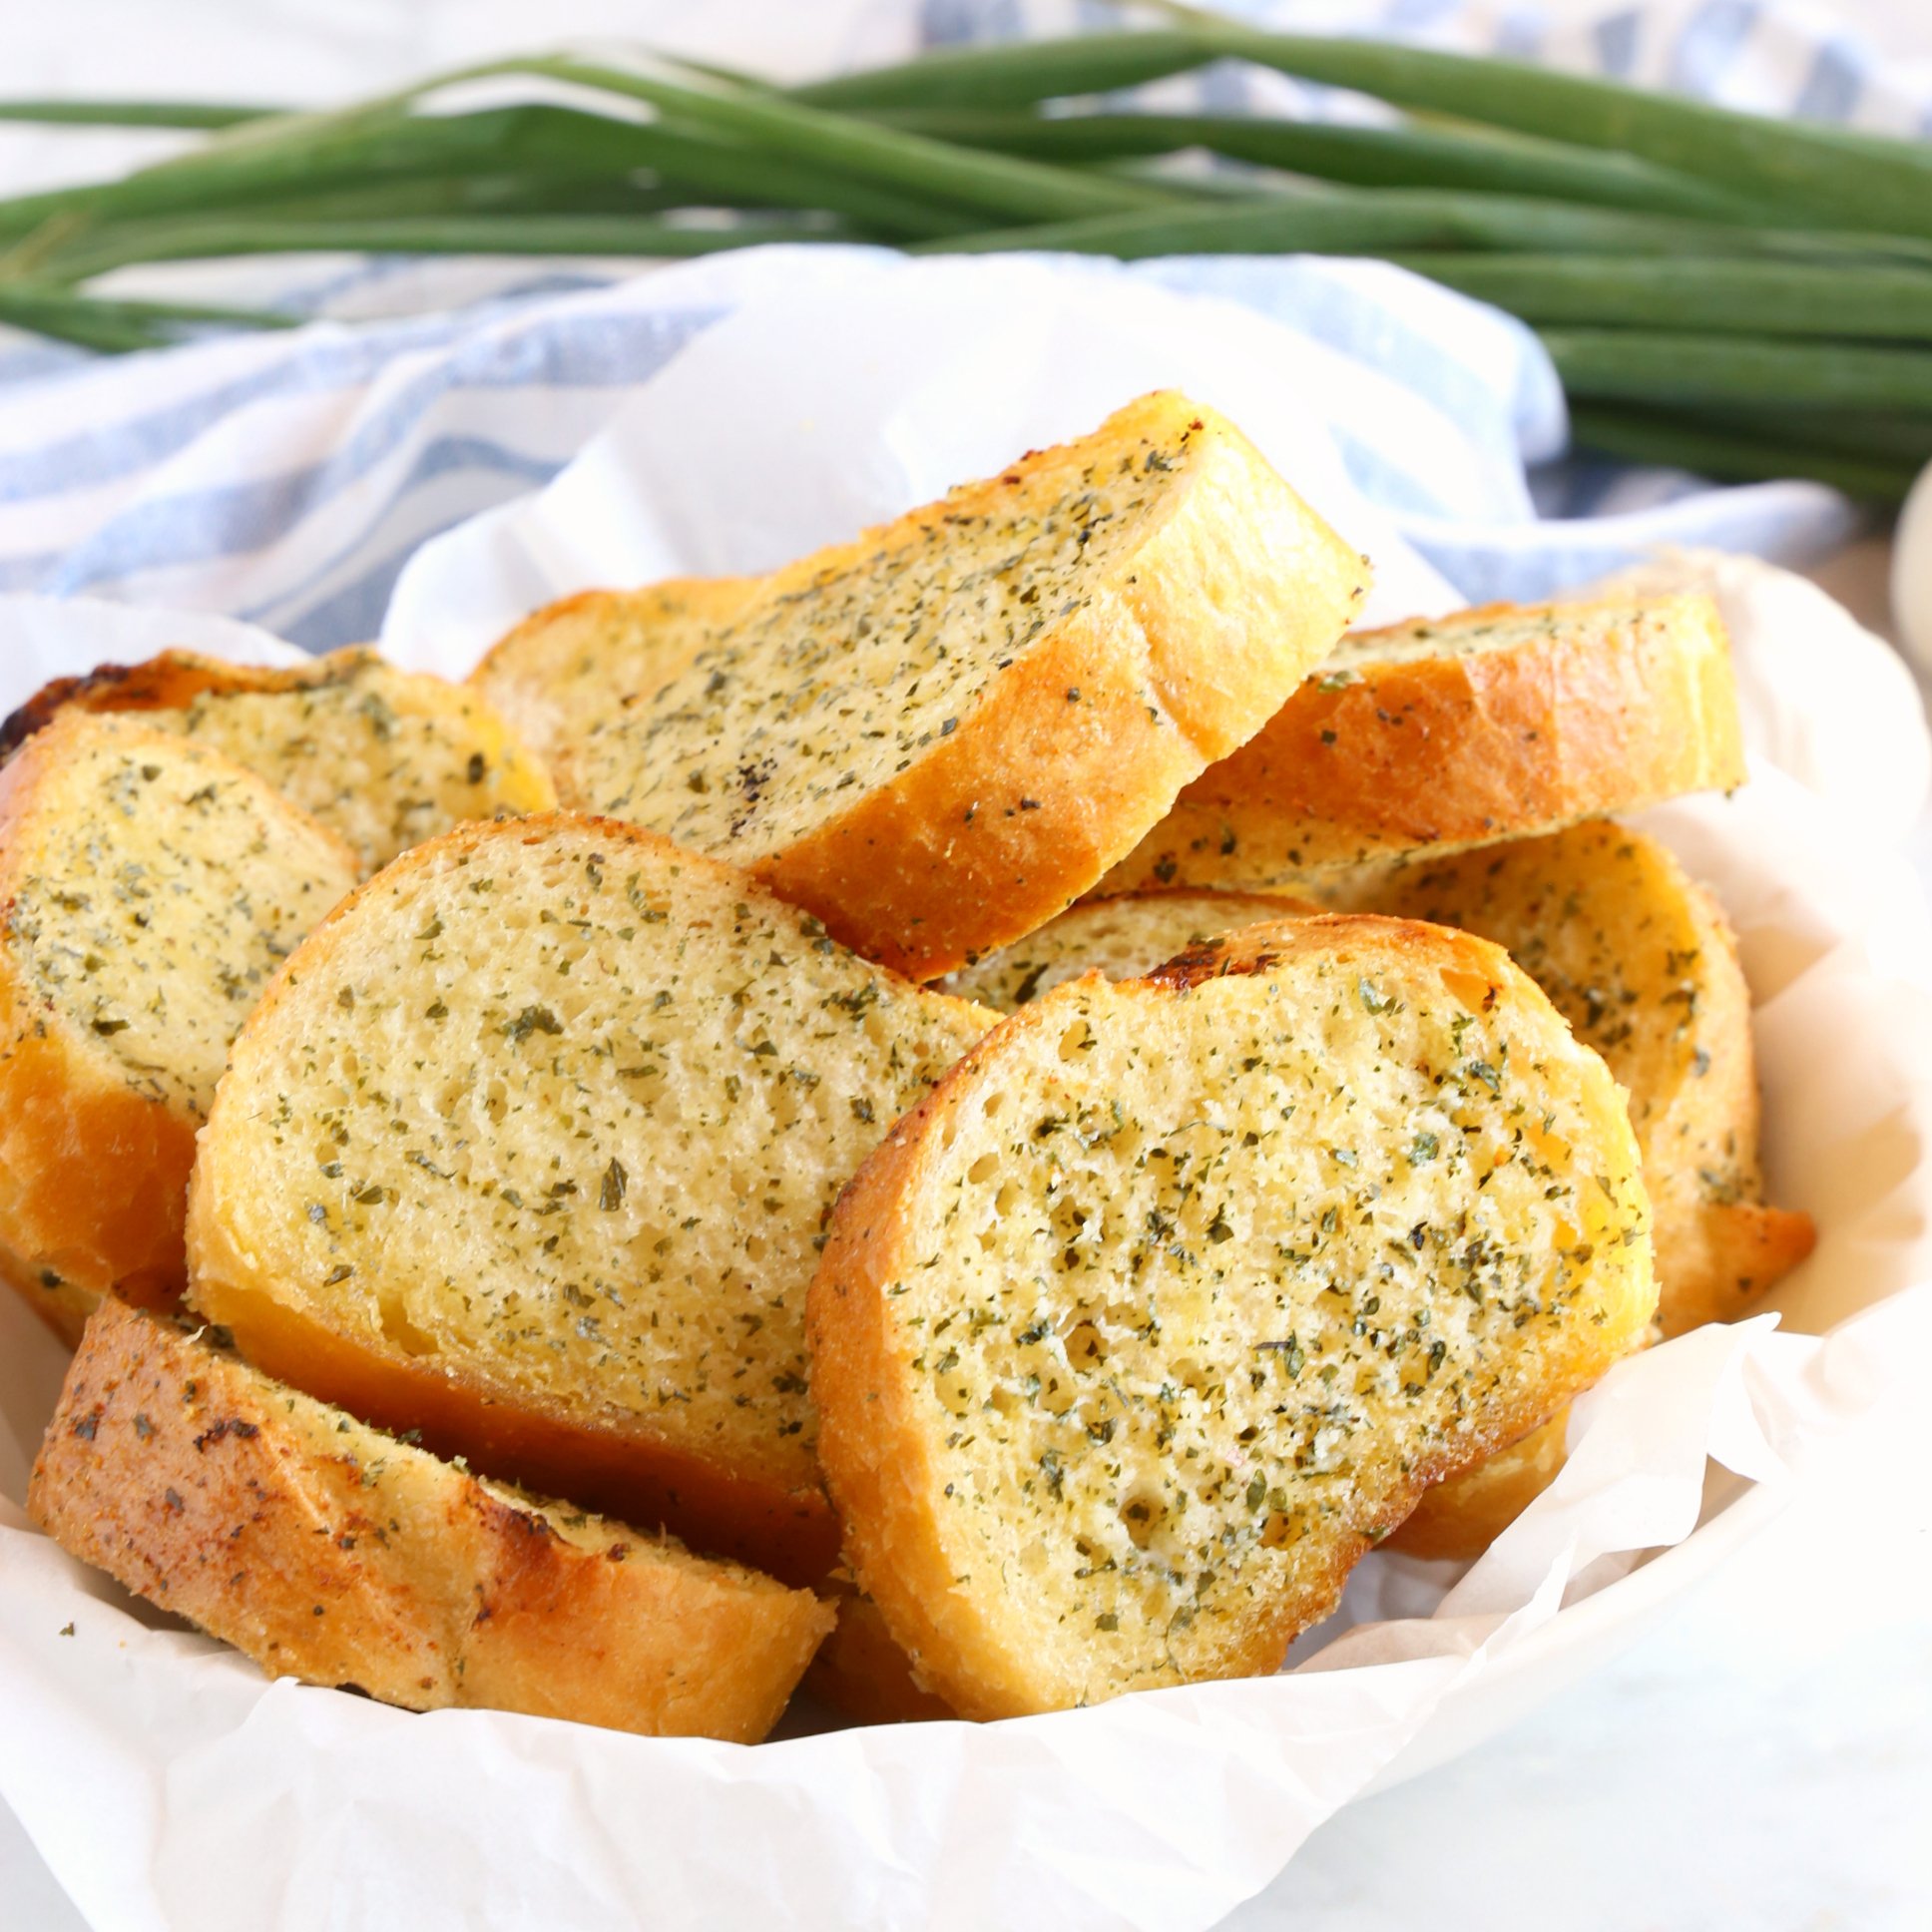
{"points": [[533, 1146], [569, 666], [1167, 1304], [939, 736], [1427, 736], [385, 758], [1125, 938], [151, 888], [329, 1552], [1639, 960]]}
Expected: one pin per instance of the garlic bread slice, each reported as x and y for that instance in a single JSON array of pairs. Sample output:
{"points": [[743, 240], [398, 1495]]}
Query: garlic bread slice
{"points": [[939, 736], [332, 1553], [531, 1147], [1125, 938], [1427, 736], [1173, 1297], [384, 756], [569, 666], [1640, 961], [149, 890]]}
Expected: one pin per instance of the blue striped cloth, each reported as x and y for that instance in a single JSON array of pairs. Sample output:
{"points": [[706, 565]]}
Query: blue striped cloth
{"points": [[287, 478]]}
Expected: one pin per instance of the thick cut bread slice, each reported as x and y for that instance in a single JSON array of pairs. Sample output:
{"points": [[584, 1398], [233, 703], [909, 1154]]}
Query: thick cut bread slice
{"points": [[1640, 961], [149, 890], [861, 1672], [533, 1146], [1125, 938], [329, 1552], [1167, 1304], [385, 758], [568, 667], [1428, 737], [938, 736]]}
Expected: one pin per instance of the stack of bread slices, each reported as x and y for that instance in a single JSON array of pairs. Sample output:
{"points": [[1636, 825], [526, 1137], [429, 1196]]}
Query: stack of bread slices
{"points": [[994, 1108]]}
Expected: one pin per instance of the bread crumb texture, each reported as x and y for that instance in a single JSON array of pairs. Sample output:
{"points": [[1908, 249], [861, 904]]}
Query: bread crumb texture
{"points": [[1166, 1308], [1125, 938], [384, 756], [565, 667], [940, 735], [560, 1110], [1428, 737], [149, 890], [156, 889], [336, 1553], [1639, 960]]}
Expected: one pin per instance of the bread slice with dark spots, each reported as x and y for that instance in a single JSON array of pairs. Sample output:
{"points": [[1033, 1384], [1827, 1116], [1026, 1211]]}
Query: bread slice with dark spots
{"points": [[1639, 960], [1642, 962], [149, 890], [386, 757], [568, 667], [1497, 722], [1173, 1297], [335, 1554], [1125, 938], [939, 736], [533, 1146]]}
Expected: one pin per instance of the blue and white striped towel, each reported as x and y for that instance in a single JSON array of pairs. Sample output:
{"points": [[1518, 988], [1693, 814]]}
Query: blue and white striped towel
{"points": [[288, 479]]}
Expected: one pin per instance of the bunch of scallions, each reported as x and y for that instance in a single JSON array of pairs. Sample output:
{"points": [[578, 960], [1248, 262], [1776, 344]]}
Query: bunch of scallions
{"points": [[1742, 297]]}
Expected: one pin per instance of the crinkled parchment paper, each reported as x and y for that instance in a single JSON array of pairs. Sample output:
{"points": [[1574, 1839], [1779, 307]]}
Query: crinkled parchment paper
{"points": [[168, 1784]]}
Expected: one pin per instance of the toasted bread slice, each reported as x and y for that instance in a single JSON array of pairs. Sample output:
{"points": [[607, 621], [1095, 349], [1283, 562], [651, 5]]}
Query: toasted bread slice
{"points": [[567, 666], [860, 1670], [332, 1553], [1642, 963], [1167, 1304], [938, 736], [1125, 938], [1638, 959], [1494, 724], [531, 1147], [385, 758], [149, 888]]}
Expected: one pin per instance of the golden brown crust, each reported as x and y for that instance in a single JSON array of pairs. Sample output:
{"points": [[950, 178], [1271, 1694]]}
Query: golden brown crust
{"points": [[1642, 962], [1594, 709], [1460, 1518], [337, 1556], [861, 1672], [1226, 590], [382, 804], [576, 660], [92, 1171], [169, 682], [1226, 607], [1124, 937], [887, 1466]]}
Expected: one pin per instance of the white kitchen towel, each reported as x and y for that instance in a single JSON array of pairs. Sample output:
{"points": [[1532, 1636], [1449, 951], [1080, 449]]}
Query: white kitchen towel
{"points": [[210, 476]]}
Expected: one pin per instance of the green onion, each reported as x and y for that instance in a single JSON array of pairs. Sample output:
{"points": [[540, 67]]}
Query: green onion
{"points": [[132, 114], [1397, 156], [1863, 178], [1645, 436], [560, 234], [98, 322], [1014, 73], [1722, 296], [1667, 365], [1347, 221]]}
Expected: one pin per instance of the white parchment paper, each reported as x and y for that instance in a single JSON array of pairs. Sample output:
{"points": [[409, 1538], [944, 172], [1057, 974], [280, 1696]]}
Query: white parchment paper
{"points": [[168, 1784]]}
